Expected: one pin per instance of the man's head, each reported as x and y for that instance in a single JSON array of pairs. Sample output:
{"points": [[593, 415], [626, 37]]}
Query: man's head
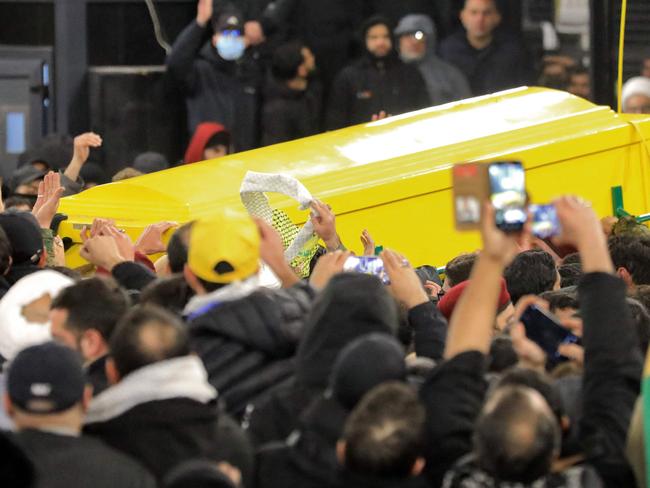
{"points": [[218, 145], [531, 273], [415, 33], [517, 436], [480, 18], [228, 36], [562, 303], [631, 257], [25, 180], [177, 248], [635, 97], [376, 34], [46, 388], [145, 335], [459, 270], [384, 434], [84, 315], [223, 249], [579, 82], [291, 61], [25, 238]]}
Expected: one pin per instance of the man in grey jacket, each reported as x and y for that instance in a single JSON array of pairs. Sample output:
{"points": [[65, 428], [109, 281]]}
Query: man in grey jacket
{"points": [[417, 44]]}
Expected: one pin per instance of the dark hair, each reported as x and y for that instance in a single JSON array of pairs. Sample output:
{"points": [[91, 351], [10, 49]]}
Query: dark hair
{"points": [[5, 252], [286, 61], [131, 353], [65, 271], [577, 70], [96, 303], [374, 21], [500, 448], [531, 273], [642, 294], [539, 382], [459, 268], [632, 253], [177, 248], [221, 138], [641, 320], [13, 202], [171, 293], [502, 354], [384, 434], [570, 274], [563, 298], [573, 258]]}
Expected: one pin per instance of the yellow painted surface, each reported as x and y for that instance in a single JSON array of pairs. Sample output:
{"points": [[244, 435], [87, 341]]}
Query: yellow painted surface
{"points": [[393, 176]]}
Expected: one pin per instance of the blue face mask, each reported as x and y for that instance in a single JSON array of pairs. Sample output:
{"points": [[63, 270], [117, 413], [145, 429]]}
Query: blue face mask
{"points": [[230, 47]]}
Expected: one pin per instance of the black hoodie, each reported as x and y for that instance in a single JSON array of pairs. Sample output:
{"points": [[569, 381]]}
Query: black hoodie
{"points": [[351, 305]]}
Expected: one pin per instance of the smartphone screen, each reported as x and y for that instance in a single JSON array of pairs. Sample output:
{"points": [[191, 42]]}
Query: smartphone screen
{"points": [[372, 265], [544, 329], [545, 223], [508, 195]]}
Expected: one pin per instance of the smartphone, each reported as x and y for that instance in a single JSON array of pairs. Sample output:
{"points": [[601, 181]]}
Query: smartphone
{"points": [[470, 189], [372, 265], [545, 223], [508, 195], [545, 330]]}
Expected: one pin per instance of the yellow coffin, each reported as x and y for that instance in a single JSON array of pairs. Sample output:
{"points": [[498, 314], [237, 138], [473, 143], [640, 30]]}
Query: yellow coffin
{"points": [[393, 176]]}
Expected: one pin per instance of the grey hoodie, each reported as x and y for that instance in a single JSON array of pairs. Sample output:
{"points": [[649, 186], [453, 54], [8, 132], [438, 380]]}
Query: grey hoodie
{"points": [[445, 83]]}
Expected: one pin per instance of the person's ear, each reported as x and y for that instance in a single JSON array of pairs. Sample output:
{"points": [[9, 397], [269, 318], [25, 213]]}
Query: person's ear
{"points": [[565, 423], [92, 344], [42, 260], [87, 397], [624, 274], [112, 374], [193, 281], [418, 466], [340, 452], [8, 406]]}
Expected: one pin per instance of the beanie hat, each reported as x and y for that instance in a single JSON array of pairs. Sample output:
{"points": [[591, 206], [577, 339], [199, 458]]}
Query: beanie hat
{"points": [[448, 302]]}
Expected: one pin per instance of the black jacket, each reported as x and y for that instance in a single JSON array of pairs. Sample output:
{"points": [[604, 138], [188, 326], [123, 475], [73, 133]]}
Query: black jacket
{"points": [[96, 375], [246, 345], [63, 461], [290, 114], [352, 305], [611, 384], [217, 90], [371, 85], [501, 65]]}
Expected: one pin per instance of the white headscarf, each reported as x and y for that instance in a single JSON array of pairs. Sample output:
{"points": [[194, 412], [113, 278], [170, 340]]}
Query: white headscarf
{"points": [[639, 85]]}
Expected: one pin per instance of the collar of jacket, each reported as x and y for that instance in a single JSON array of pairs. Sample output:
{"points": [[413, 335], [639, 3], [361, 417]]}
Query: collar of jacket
{"points": [[199, 304], [183, 377]]}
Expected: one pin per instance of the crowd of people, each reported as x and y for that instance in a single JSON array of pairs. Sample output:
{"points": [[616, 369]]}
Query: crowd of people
{"points": [[172, 365]]}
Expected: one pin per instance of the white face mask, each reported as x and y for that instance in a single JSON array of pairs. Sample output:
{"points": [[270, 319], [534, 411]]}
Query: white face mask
{"points": [[230, 47]]}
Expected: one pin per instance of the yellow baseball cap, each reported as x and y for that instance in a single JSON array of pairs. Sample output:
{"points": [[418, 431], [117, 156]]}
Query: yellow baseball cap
{"points": [[224, 247]]}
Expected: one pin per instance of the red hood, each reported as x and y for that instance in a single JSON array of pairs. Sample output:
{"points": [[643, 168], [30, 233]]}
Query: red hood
{"points": [[202, 135]]}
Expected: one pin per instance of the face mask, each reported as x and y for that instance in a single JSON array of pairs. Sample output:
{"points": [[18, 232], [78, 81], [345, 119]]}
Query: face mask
{"points": [[230, 48]]}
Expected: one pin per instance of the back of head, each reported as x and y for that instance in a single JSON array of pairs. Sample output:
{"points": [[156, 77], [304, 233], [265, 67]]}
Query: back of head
{"points": [[641, 319], [365, 363], [539, 382], [350, 306], [459, 269], [126, 173], [632, 253], [384, 434], [570, 274], [286, 61], [224, 248], [561, 299], [24, 234], [531, 273], [147, 335], [150, 162], [171, 293], [95, 303], [177, 248], [516, 437], [45, 379]]}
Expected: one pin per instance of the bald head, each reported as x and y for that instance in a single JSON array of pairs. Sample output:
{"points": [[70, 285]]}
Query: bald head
{"points": [[517, 435], [147, 335]]}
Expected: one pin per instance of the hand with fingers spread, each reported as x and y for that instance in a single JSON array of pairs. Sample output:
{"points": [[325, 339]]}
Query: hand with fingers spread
{"points": [[368, 243], [272, 253], [150, 241], [82, 145], [123, 242], [405, 285], [50, 192], [327, 266], [325, 225]]}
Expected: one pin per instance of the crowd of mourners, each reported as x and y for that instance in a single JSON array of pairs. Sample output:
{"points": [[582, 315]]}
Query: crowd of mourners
{"points": [[169, 362]]}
